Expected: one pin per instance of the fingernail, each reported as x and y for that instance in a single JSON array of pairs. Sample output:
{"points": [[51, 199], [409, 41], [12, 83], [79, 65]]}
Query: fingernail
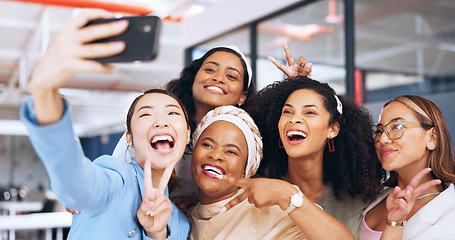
{"points": [[309, 65], [122, 23], [118, 45], [149, 204], [151, 213], [224, 209], [78, 212]]}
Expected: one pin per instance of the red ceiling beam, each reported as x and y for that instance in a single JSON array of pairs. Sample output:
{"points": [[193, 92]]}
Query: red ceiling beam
{"points": [[108, 6]]}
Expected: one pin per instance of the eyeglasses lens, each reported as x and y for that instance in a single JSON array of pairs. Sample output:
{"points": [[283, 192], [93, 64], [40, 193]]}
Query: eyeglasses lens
{"points": [[394, 130]]}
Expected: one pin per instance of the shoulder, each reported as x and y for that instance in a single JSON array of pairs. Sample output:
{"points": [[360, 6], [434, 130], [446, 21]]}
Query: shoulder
{"points": [[115, 164]]}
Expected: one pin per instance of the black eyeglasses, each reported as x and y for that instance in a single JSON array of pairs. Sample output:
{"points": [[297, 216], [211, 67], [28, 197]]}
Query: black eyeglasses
{"points": [[394, 130]]}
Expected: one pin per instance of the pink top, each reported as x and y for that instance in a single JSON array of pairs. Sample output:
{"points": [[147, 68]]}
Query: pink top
{"points": [[366, 233]]}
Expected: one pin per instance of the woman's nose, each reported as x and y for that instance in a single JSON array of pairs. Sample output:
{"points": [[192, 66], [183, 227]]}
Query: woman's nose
{"points": [[295, 119], [161, 124], [216, 155], [218, 77]]}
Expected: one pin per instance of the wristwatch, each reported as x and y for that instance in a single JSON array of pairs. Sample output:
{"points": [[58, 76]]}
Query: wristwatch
{"points": [[296, 200]]}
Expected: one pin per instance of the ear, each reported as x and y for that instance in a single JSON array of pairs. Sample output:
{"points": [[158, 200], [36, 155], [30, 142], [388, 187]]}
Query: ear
{"points": [[129, 139], [334, 129], [242, 98], [432, 139]]}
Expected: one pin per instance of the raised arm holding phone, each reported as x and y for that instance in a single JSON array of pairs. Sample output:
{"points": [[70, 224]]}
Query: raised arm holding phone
{"points": [[117, 200]]}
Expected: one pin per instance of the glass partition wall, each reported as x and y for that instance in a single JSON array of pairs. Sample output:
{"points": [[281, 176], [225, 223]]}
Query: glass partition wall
{"points": [[400, 47]]}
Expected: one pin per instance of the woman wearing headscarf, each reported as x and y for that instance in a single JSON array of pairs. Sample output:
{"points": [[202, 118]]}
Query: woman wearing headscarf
{"points": [[228, 144]]}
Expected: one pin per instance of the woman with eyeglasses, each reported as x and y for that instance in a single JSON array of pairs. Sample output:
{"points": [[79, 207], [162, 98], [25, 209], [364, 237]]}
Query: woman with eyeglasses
{"points": [[413, 143]]}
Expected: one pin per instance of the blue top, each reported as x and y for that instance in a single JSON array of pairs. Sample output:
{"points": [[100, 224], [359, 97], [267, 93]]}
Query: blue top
{"points": [[108, 192]]}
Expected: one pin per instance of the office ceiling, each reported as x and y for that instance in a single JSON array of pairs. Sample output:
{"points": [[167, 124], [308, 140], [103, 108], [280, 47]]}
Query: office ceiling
{"points": [[384, 42]]}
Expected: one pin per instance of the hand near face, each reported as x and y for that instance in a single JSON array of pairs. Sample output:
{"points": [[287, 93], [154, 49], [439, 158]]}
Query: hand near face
{"points": [[299, 68], [156, 207], [68, 52], [400, 202], [262, 192]]}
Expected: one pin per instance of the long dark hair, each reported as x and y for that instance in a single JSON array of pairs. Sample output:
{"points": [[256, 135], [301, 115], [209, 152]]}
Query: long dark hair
{"points": [[352, 168], [182, 86]]}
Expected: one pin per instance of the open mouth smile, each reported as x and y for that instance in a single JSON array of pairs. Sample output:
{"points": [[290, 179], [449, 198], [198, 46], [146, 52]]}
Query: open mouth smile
{"points": [[213, 171], [162, 143], [296, 136], [215, 89]]}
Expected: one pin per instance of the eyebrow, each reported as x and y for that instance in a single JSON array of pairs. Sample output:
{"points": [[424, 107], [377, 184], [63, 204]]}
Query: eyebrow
{"points": [[234, 146], [304, 106], [151, 107], [227, 145], [217, 64], [394, 119]]}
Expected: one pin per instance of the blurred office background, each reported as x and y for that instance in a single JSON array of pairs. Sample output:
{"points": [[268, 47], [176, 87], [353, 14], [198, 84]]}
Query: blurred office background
{"points": [[368, 50]]}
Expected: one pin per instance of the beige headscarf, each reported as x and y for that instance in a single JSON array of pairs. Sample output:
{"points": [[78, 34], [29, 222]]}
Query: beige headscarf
{"points": [[245, 123]]}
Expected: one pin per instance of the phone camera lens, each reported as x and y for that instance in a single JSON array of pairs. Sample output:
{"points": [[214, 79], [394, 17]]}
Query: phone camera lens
{"points": [[147, 28]]}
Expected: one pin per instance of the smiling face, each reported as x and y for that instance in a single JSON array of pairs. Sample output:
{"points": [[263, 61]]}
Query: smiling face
{"points": [[304, 125], [158, 130], [219, 81], [410, 151], [218, 153]]}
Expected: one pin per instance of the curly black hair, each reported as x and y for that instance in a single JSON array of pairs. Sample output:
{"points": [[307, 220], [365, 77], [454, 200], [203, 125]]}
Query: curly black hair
{"points": [[182, 86], [353, 167]]}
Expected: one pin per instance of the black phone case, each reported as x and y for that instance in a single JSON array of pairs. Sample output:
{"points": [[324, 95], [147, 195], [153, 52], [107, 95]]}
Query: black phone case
{"points": [[141, 39]]}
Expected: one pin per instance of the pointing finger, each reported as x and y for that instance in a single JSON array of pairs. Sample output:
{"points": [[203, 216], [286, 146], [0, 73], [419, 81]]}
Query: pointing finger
{"points": [[241, 182]]}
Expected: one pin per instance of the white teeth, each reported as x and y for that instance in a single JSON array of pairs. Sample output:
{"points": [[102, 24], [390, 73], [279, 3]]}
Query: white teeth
{"points": [[293, 133], [213, 169], [162, 138], [214, 88]]}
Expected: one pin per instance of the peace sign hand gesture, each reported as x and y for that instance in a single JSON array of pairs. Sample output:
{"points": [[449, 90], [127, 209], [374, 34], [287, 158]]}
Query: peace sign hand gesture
{"points": [[156, 207], [299, 68], [400, 202]]}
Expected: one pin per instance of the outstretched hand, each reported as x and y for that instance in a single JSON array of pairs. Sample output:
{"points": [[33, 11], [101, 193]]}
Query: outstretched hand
{"points": [[156, 207], [299, 68], [68, 51], [262, 192], [400, 202]]}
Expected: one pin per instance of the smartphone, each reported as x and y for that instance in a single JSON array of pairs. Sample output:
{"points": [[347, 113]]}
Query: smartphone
{"points": [[141, 39]]}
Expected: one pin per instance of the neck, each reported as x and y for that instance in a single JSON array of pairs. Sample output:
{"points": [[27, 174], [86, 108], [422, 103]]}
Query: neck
{"points": [[156, 177], [407, 173], [200, 111], [308, 175], [209, 199]]}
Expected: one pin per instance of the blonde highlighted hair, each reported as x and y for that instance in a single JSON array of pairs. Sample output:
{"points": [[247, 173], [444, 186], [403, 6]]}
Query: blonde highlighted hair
{"points": [[441, 159]]}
